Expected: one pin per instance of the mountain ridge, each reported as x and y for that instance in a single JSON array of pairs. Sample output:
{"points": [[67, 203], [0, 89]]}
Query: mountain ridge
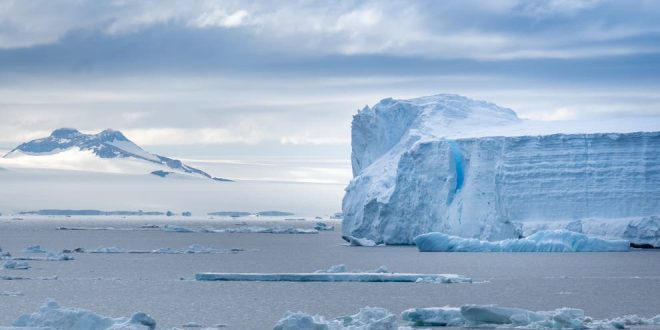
{"points": [[107, 144]]}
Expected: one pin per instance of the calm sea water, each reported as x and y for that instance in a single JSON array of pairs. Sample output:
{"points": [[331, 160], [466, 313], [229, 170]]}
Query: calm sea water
{"points": [[603, 284]]}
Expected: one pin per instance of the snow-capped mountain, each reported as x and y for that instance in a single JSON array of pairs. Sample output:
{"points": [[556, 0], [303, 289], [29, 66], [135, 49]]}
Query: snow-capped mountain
{"points": [[107, 151], [470, 168]]}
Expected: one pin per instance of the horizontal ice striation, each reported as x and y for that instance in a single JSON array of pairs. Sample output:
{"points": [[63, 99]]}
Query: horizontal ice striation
{"points": [[425, 165]]}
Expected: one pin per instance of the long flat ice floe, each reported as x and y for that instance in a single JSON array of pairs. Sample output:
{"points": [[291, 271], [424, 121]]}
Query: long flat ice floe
{"points": [[260, 230], [208, 229], [507, 317], [52, 316], [334, 277], [192, 249], [541, 241]]}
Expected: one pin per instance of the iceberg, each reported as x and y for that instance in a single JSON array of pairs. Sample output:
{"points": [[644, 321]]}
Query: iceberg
{"points": [[368, 318], [34, 249], [52, 316], [508, 317], [450, 164], [16, 264], [543, 241], [434, 316]]}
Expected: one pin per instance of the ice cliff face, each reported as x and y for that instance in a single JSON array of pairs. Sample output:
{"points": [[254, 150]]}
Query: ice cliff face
{"points": [[414, 172]]}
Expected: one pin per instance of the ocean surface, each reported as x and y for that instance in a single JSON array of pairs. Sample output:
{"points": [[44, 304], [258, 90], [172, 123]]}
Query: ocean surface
{"points": [[605, 285]]}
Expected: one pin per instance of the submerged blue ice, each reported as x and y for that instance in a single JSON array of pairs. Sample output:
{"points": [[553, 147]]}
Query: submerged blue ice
{"points": [[542, 241]]}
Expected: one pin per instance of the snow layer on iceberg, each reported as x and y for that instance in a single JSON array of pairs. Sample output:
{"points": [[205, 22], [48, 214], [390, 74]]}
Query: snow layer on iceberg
{"points": [[507, 317], [334, 277], [542, 241], [430, 165], [369, 318], [52, 316], [341, 268]]}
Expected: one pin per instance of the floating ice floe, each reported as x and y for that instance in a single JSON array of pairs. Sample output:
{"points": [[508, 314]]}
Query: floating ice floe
{"points": [[542, 241], [334, 277], [321, 226], [192, 249], [260, 230], [369, 318], [51, 256], [16, 264], [4, 255], [22, 278], [34, 249], [177, 229], [354, 241], [11, 293], [506, 317], [52, 316]]}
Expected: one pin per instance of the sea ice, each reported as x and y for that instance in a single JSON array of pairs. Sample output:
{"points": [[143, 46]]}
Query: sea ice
{"points": [[52, 316], [192, 249], [321, 226], [541, 241], [16, 264], [177, 229], [54, 256], [354, 241], [507, 317], [334, 277], [434, 316], [369, 318], [34, 249], [109, 249], [260, 230]]}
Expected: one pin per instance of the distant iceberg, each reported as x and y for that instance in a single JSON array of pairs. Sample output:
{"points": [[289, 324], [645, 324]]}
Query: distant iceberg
{"points": [[542, 241], [450, 164]]}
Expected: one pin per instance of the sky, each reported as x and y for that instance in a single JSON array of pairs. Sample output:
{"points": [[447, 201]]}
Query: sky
{"points": [[254, 78]]}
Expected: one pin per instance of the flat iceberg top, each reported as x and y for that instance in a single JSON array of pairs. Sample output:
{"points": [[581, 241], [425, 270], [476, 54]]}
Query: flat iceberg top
{"points": [[454, 116]]}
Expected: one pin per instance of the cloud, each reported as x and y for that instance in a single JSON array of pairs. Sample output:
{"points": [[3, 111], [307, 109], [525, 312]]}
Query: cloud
{"points": [[482, 30]]}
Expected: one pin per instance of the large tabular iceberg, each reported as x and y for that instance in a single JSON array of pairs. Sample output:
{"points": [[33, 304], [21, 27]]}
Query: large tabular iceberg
{"points": [[469, 168]]}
